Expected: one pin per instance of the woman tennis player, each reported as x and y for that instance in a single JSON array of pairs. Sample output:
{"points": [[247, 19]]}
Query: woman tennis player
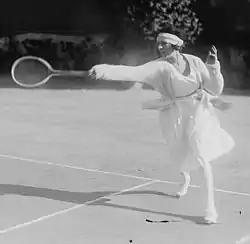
{"points": [[190, 127]]}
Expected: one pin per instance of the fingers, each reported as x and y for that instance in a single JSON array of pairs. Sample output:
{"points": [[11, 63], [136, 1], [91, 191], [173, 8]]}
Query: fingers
{"points": [[212, 55], [213, 51], [96, 72], [92, 72]]}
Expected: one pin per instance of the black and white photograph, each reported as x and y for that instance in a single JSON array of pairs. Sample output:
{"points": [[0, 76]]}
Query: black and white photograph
{"points": [[125, 122]]}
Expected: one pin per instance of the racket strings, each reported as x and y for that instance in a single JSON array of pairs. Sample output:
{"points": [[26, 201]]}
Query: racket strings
{"points": [[30, 71]]}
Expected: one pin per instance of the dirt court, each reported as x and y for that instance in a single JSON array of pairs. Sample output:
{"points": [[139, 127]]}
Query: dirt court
{"points": [[88, 166]]}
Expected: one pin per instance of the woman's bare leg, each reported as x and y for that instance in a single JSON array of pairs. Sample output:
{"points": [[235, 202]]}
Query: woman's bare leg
{"points": [[211, 213], [184, 185]]}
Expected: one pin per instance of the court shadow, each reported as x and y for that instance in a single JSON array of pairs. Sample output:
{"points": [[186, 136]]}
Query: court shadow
{"points": [[53, 194], [66, 196], [195, 219], [99, 198]]}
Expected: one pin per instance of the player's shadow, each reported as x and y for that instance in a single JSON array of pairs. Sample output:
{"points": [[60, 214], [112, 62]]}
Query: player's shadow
{"points": [[100, 198]]}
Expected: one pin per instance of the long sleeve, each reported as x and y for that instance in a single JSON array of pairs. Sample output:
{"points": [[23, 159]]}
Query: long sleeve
{"points": [[154, 73], [213, 80], [124, 73]]}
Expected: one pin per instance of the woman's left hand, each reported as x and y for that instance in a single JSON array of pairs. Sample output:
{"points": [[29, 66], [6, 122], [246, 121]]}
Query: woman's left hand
{"points": [[220, 104], [212, 55]]}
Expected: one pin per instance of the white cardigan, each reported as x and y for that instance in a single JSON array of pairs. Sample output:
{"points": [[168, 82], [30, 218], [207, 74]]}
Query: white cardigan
{"points": [[164, 77]]}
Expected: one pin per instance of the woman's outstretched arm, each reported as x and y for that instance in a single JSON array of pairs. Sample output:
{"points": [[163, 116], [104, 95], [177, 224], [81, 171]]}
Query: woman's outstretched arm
{"points": [[150, 73]]}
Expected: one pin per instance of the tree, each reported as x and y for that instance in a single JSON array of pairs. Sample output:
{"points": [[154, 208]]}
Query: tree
{"points": [[153, 16]]}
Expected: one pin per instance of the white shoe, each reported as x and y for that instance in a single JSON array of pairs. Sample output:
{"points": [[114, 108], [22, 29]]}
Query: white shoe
{"points": [[211, 217], [182, 192]]}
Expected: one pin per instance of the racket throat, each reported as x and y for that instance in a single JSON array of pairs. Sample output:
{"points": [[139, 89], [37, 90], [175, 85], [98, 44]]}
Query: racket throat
{"points": [[73, 73]]}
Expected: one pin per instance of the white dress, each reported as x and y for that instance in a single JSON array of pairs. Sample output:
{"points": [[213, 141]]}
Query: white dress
{"points": [[187, 118], [191, 128]]}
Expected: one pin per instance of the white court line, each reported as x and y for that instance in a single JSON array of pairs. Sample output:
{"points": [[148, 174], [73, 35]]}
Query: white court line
{"points": [[73, 208], [113, 173]]}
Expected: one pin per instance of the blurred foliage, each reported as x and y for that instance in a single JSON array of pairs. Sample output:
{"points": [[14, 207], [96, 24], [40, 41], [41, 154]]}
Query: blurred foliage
{"points": [[154, 16]]}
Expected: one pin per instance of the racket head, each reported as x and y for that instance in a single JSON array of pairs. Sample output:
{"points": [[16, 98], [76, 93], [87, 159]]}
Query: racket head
{"points": [[31, 71]]}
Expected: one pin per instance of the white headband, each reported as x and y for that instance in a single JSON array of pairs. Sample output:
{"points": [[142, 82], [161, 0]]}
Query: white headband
{"points": [[170, 38]]}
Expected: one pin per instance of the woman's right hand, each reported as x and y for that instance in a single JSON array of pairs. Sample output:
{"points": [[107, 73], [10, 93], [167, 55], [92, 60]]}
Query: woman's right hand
{"points": [[97, 71]]}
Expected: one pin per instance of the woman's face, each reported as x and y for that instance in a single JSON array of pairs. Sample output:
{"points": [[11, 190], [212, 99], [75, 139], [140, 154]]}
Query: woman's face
{"points": [[165, 48]]}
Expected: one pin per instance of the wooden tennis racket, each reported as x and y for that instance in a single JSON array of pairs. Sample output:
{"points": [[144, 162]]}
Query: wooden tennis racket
{"points": [[32, 72]]}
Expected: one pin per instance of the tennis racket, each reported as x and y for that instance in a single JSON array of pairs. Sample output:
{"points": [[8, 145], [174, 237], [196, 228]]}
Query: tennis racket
{"points": [[32, 71]]}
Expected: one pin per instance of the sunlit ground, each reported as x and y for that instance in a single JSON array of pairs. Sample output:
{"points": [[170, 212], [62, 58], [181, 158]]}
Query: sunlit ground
{"points": [[107, 130]]}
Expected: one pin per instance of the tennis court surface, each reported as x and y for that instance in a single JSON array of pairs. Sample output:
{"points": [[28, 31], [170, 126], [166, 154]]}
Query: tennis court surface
{"points": [[88, 166]]}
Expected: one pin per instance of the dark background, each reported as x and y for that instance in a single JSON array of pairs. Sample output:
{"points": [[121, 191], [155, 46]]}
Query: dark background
{"points": [[225, 23]]}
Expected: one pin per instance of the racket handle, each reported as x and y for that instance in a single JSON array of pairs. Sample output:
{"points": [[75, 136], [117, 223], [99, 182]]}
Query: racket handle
{"points": [[78, 73]]}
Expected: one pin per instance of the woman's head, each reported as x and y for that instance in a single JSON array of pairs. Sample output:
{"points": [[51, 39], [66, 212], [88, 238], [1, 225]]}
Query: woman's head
{"points": [[168, 43]]}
